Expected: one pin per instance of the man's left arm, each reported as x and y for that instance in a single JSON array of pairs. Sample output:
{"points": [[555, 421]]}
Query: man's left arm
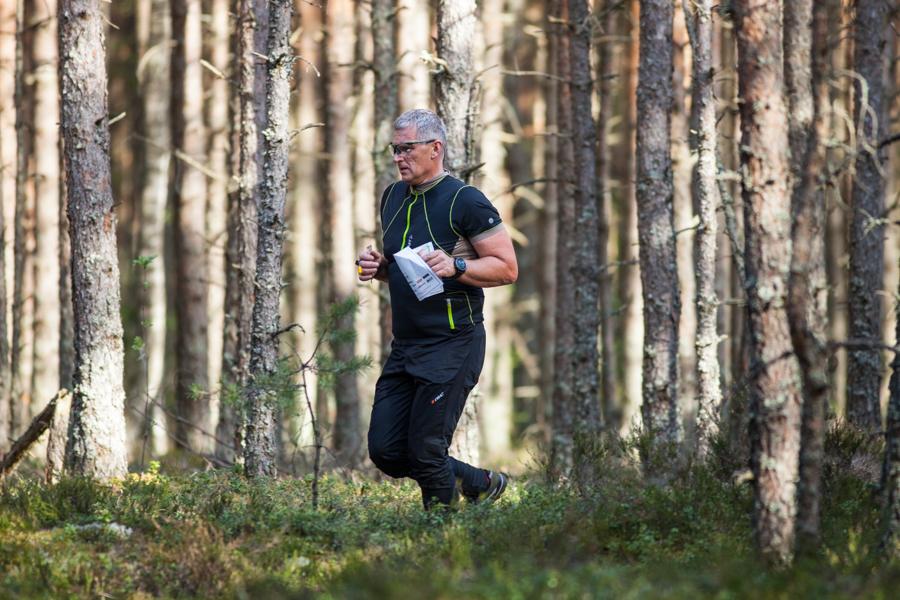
{"points": [[495, 266]]}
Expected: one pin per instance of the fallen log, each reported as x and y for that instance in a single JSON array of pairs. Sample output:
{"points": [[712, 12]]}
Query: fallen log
{"points": [[38, 426]]}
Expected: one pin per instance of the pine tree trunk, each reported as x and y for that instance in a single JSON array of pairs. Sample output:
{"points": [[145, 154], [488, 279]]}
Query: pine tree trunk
{"points": [[547, 224], [563, 410], [632, 332], [219, 152], [612, 412], [18, 406], [774, 393], [586, 377], [709, 391], [456, 102], [155, 20], [454, 84], [45, 374], [384, 66], [260, 452], [4, 334], [96, 445], [189, 216], [867, 203], [656, 232], [797, 16], [7, 202], [338, 194], [66, 319], [240, 252], [807, 288]]}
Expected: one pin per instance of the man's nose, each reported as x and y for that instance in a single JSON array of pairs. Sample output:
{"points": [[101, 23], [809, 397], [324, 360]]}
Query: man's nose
{"points": [[397, 157]]}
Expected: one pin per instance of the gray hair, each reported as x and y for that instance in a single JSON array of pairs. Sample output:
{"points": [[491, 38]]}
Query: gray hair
{"points": [[428, 125]]}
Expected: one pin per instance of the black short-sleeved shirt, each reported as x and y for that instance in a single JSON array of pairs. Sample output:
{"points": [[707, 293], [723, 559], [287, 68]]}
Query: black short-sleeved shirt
{"points": [[451, 215]]}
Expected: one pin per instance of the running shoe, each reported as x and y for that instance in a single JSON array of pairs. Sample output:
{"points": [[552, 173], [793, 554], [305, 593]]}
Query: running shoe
{"points": [[498, 483]]}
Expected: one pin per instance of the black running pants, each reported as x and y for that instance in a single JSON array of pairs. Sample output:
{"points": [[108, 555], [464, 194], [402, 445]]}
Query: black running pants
{"points": [[418, 401]]}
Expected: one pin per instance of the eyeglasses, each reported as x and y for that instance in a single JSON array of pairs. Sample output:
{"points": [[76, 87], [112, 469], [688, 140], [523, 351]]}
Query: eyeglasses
{"points": [[406, 147]]}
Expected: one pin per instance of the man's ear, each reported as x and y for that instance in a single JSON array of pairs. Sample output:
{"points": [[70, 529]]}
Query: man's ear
{"points": [[438, 148]]}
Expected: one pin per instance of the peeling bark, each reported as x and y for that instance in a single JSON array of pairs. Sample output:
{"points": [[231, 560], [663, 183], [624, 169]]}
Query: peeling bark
{"points": [[261, 448], [703, 109], [866, 250], [656, 229], [96, 443], [454, 86], [240, 252], [774, 392]]}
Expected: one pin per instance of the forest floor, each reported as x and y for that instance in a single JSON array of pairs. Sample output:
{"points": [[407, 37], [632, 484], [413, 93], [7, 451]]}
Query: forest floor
{"points": [[606, 533]]}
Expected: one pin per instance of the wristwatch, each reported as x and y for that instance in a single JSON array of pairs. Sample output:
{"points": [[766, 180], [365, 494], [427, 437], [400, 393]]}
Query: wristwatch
{"points": [[460, 265]]}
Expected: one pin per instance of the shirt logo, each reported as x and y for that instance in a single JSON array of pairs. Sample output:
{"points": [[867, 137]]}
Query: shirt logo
{"points": [[439, 396]]}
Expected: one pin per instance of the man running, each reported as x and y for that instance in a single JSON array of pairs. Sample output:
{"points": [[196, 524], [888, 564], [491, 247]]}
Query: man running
{"points": [[438, 348]]}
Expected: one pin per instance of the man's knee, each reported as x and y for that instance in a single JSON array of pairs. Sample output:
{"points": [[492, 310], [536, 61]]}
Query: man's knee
{"points": [[428, 463], [389, 459]]}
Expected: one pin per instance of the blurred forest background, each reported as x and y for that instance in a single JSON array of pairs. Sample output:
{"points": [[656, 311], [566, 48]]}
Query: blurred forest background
{"points": [[335, 181]]}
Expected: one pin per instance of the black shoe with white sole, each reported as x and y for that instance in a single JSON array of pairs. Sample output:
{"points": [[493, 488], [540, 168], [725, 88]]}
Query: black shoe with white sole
{"points": [[496, 487]]}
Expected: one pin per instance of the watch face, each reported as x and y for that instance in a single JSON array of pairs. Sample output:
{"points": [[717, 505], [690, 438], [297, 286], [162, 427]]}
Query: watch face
{"points": [[460, 264]]}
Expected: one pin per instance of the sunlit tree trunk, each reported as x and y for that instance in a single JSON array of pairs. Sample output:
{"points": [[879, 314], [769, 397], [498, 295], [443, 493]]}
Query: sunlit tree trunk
{"points": [[386, 105], [866, 232], [45, 374], [774, 393], [154, 27], [806, 285], [96, 445], [612, 411], [4, 334], [659, 276], [7, 200], [709, 391], [456, 102], [189, 216], [218, 150], [240, 251], [632, 332], [260, 452]]}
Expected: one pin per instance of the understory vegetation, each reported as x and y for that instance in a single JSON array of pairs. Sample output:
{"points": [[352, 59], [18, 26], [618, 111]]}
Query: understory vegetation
{"points": [[604, 533]]}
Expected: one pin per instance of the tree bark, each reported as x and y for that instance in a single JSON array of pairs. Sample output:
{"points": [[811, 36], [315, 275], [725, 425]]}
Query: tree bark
{"points": [[337, 193], [56, 440], [7, 200], [45, 374], [261, 445], [807, 289], [586, 318], [656, 232], [612, 412], [547, 224], [387, 101], [867, 204], [189, 215], [4, 333], [18, 406], [153, 80], [66, 319], [563, 410], [797, 31], [42, 421], [774, 392], [709, 391], [456, 101], [454, 83], [240, 252], [96, 444], [219, 153]]}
